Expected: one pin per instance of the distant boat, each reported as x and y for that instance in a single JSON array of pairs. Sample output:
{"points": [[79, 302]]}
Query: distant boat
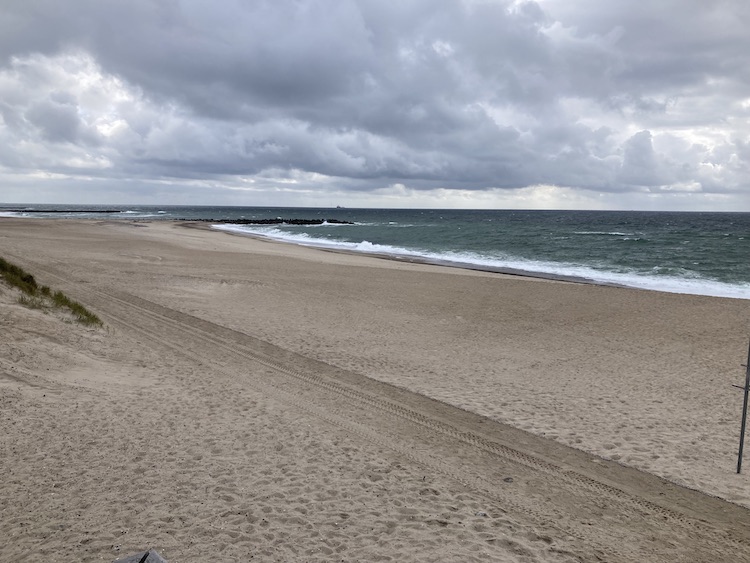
{"points": [[340, 207]]}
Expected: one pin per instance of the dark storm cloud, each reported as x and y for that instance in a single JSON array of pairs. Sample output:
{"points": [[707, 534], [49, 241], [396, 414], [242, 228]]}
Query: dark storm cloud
{"points": [[605, 96]]}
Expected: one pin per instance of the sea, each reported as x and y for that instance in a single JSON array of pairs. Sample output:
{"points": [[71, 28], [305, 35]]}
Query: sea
{"points": [[679, 252]]}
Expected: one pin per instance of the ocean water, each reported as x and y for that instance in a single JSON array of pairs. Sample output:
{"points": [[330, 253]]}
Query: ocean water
{"points": [[697, 253]]}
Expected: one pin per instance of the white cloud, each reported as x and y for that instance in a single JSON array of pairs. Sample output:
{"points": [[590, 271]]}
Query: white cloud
{"points": [[470, 103]]}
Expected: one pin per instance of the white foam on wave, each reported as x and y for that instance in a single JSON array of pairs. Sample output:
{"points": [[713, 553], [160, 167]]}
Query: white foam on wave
{"points": [[299, 238], [690, 284], [136, 214], [304, 239], [605, 233]]}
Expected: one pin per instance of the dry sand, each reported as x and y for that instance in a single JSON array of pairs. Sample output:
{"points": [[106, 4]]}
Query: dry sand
{"points": [[249, 400]]}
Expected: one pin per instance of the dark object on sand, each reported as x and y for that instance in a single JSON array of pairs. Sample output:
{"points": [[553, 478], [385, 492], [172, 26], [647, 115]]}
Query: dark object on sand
{"points": [[149, 556], [746, 388]]}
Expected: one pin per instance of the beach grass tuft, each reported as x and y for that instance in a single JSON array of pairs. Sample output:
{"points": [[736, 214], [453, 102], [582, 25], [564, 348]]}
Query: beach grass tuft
{"points": [[36, 297], [18, 277], [31, 302]]}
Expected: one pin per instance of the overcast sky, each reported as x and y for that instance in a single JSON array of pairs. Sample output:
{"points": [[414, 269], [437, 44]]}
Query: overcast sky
{"points": [[428, 103]]}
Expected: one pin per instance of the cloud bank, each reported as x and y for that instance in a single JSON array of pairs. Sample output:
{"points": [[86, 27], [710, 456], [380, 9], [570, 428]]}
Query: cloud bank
{"points": [[467, 103]]}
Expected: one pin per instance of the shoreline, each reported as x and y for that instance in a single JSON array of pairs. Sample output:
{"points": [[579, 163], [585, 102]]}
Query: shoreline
{"points": [[404, 258], [480, 268]]}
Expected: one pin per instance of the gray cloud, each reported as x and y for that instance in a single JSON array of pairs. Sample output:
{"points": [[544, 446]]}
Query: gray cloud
{"points": [[362, 95]]}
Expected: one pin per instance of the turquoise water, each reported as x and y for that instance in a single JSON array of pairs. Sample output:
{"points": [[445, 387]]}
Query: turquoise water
{"points": [[699, 253]]}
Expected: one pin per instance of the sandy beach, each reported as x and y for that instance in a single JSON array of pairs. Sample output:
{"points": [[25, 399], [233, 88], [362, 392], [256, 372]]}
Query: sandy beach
{"points": [[250, 400]]}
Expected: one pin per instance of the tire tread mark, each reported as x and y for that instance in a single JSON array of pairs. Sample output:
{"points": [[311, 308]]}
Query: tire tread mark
{"points": [[502, 450], [474, 483]]}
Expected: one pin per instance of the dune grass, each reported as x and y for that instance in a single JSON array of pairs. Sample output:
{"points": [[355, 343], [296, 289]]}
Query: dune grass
{"points": [[38, 297]]}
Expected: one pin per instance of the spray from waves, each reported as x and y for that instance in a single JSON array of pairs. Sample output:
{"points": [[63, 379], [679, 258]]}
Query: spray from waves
{"points": [[688, 283]]}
